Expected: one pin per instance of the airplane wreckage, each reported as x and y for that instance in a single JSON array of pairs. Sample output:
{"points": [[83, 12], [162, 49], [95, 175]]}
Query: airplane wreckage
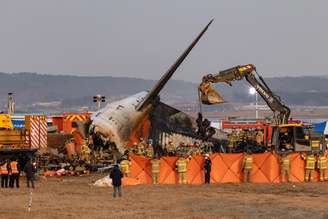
{"points": [[122, 123]]}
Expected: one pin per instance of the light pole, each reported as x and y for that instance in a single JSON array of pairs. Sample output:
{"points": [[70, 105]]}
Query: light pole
{"points": [[252, 91], [11, 104], [98, 99]]}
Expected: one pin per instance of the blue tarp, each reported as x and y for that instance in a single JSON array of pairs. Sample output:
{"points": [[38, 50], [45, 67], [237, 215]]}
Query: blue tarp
{"points": [[321, 127]]}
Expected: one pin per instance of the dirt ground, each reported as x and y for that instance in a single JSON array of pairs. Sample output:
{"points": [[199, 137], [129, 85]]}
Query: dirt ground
{"points": [[76, 197]]}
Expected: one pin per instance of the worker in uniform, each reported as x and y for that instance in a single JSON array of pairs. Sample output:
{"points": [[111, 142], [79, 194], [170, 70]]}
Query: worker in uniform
{"points": [[155, 168], [181, 167], [207, 168], [133, 149], [85, 151], [259, 137], [170, 149], [125, 167], [141, 147], [149, 150], [285, 165], [14, 174], [247, 166], [4, 174], [233, 137], [242, 138], [309, 166], [322, 166]]}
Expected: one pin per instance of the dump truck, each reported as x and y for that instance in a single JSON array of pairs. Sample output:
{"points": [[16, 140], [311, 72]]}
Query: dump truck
{"points": [[286, 135]]}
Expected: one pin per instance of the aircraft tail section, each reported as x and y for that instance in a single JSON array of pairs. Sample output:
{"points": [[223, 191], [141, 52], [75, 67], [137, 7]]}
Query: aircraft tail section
{"points": [[161, 83]]}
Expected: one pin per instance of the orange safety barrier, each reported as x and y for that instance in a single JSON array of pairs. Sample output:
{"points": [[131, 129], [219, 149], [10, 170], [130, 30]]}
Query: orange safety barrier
{"points": [[168, 174], [195, 172], [297, 170], [140, 169], [130, 181], [226, 168]]}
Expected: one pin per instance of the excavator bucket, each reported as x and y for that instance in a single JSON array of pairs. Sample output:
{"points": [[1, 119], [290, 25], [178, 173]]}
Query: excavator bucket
{"points": [[208, 95]]}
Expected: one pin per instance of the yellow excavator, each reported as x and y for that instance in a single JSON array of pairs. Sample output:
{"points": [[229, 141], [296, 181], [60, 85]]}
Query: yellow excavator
{"points": [[285, 135]]}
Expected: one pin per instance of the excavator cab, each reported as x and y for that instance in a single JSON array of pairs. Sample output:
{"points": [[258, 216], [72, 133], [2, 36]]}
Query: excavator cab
{"points": [[295, 137]]}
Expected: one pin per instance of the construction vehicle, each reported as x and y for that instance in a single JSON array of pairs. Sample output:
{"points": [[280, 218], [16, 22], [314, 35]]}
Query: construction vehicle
{"points": [[285, 135], [14, 143]]}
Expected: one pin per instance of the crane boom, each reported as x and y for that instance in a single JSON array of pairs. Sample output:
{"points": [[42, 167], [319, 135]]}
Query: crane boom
{"points": [[209, 96]]}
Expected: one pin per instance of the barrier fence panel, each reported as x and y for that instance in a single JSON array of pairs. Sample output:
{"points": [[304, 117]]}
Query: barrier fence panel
{"points": [[168, 174], [297, 167], [140, 169], [226, 168], [195, 170]]}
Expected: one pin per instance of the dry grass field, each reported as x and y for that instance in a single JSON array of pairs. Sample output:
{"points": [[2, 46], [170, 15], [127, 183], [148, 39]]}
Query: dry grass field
{"points": [[76, 197]]}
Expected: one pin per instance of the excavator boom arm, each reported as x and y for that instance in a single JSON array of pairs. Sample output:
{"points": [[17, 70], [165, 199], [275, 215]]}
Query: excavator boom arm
{"points": [[210, 96]]}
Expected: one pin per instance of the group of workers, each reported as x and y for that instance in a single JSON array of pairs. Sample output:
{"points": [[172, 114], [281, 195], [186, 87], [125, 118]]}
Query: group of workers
{"points": [[10, 173], [181, 168], [142, 148], [244, 136], [312, 161]]}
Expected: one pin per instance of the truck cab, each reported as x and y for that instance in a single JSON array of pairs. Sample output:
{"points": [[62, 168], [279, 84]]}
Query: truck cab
{"points": [[295, 137]]}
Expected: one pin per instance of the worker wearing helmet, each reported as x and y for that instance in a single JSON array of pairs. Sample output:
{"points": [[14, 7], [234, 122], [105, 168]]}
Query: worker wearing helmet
{"points": [[309, 166], [247, 166], [181, 167], [322, 166], [232, 137], [4, 170], [150, 150], [259, 137], [170, 149], [125, 166], [141, 147], [285, 165], [155, 169], [14, 174]]}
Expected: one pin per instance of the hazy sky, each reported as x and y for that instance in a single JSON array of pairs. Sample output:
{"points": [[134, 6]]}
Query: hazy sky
{"points": [[142, 38]]}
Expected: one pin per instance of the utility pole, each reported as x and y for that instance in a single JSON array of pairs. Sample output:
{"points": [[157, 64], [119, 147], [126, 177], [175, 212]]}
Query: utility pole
{"points": [[98, 99]]}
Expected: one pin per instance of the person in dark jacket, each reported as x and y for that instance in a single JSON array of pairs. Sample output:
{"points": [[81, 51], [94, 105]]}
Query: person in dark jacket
{"points": [[116, 176], [29, 170], [207, 168]]}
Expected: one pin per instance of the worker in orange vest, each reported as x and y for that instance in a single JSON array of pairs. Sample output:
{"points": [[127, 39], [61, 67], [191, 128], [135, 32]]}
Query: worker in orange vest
{"points": [[4, 170], [14, 174]]}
